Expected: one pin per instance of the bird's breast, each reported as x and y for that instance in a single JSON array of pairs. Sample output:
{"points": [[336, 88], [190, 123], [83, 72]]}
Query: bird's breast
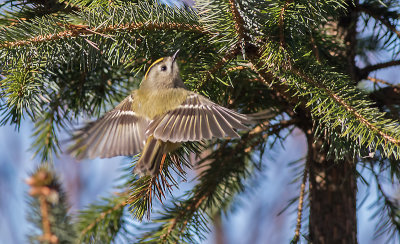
{"points": [[151, 103]]}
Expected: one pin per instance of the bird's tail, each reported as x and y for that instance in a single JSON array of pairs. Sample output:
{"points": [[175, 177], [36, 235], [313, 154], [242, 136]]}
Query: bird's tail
{"points": [[150, 160]]}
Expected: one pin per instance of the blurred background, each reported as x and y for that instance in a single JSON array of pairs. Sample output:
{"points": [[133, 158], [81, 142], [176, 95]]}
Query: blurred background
{"points": [[256, 217]]}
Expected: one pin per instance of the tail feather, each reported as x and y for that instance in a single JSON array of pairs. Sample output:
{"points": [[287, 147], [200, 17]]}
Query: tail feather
{"points": [[149, 162]]}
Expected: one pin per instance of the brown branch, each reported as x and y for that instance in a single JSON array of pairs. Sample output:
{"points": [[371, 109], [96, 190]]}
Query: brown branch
{"points": [[235, 50], [72, 31], [44, 211], [301, 204], [40, 184], [239, 23], [273, 129], [281, 24], [378, 17], [396, 88], [315, 49], [365, 71]]}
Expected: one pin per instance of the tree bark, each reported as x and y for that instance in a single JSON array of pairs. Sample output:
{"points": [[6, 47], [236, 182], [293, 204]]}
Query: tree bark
{"points": [[332, 197], [333, 184]]}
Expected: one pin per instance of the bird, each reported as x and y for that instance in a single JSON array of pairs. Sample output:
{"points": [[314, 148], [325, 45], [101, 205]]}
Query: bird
{"points": [[155, 119]]}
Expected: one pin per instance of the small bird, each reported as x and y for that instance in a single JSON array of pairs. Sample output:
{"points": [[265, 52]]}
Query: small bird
{"points": [[155, 119]]}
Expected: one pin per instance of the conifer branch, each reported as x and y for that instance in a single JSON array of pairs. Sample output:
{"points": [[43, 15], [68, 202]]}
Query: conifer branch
{"points": [[378, 17], [396, 88], [45, 189], [144, 188], [72, 31], [365, 71], [186, 213], [301, 204], [283, 89], [47, 235], [231, 54], [282, 23], [348, 107], [103, 215], [393, 211], [238, 20]]}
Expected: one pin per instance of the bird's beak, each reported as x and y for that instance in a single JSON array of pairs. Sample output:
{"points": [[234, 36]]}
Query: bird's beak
{"points": [[174, 56]]}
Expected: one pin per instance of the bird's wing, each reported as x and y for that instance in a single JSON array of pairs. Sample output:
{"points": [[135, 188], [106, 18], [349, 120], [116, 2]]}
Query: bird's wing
{"points": [[196, 119], [119, 132]]}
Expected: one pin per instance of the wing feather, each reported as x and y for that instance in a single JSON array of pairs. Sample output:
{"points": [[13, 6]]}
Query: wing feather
{"points": [[216, 130], [196, 119], [180, 131], [224, 124], [205, 126], [235, 122], [119, 132]]}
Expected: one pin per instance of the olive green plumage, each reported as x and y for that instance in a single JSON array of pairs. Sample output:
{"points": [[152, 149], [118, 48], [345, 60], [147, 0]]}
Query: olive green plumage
{"points": [[155, 119]]}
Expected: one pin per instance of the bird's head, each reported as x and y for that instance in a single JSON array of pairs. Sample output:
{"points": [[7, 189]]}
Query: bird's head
{"points": [[163, 73]]}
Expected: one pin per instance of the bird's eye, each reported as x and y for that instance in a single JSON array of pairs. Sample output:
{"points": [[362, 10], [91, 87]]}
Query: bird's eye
{"points": [[163, 68]]}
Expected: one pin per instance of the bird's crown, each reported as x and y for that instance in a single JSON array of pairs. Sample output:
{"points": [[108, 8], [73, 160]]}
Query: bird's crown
{"points": [[154, 63]]}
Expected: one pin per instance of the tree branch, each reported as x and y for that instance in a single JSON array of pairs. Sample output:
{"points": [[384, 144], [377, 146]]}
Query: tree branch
{"points": [[239, 23], [387, 202], [301, 203], [348, 107], [40, 184], [192, 208], [84, 30], [365, 71], [228, 56], [282, 23], [376, 81], [104, 214], [373, 14]]}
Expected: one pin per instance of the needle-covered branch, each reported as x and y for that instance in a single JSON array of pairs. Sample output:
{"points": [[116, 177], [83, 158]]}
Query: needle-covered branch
{"points": [[219, 182], [49, 209]]}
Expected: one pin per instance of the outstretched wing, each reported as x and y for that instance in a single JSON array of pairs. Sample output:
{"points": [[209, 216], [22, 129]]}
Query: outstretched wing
{"points": [[196, 119], [119, 132]]}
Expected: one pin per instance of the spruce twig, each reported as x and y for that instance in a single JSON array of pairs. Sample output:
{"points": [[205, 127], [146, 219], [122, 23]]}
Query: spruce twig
{"points": [[84, 30]]}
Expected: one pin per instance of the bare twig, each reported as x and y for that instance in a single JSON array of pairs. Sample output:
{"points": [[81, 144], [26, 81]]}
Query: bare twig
{"points": [[365, 71], [272, 129], [396, 88], [301, 204]]}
